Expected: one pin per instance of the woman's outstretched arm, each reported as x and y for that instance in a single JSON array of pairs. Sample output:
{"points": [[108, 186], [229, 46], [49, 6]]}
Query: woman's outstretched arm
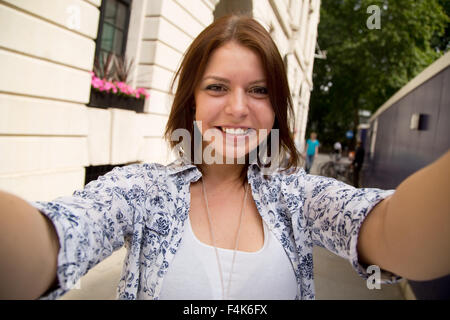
{"points": [[29, 249], [409, 232]]}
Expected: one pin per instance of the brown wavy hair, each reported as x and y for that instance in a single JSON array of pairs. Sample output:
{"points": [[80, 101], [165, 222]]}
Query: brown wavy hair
{"points": [[250, 34]]}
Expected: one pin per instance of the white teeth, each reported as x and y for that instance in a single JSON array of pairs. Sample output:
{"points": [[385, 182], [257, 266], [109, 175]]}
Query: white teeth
{"points": [[236, 131]]}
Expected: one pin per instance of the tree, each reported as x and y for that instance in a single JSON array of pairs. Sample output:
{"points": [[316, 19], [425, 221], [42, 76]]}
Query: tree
{"points": [[442, 42], [364, 67]]}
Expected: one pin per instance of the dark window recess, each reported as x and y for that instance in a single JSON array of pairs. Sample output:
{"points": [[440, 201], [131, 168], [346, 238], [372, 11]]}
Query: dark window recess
{"points": [[424, 122], [93, 172], [420, 122]]}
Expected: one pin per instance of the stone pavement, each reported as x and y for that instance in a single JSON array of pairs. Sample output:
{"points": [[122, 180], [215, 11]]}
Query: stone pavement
{"points": [[334, 276]]}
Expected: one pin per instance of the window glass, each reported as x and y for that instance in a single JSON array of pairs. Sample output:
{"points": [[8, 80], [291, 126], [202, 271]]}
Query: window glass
{"points": [[118, 42], [107, 37], [121, 17], [113, 26], [110, 11]]}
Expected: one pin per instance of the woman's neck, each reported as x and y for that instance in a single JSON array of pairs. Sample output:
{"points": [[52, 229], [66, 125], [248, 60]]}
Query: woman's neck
{"points": [[222, 175]]}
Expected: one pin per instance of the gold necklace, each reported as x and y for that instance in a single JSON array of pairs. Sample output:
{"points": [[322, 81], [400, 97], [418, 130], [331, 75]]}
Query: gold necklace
{"points": [[214, 242]]}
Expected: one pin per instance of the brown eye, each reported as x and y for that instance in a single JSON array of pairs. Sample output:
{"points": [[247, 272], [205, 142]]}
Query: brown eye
{"points": [[215, 88], [260, 91]]}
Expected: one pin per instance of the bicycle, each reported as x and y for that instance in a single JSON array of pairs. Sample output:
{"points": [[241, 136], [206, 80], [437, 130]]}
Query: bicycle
{"points": [[337, 169]]}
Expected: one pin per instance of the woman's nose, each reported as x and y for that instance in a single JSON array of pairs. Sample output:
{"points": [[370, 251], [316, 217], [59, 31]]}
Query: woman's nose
{"points": [[237, 105]]}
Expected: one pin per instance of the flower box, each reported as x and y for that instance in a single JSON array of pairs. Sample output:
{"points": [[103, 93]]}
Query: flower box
{"points": [[102, 99], [116, 94]]}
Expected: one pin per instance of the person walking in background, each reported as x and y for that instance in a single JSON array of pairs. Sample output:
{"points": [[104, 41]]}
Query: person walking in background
{"points": [[312, 148], [357, 163], [337, 150]]}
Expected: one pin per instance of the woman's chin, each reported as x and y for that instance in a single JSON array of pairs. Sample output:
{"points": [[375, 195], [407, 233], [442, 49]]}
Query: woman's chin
{"points": [[226, 154]]}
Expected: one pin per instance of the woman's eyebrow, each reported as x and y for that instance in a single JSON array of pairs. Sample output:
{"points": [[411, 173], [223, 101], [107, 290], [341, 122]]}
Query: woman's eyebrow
{"points": [[216, 78], [228, 81], [258, 81]]}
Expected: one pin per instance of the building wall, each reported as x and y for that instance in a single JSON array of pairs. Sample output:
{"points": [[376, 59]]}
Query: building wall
{"points": [[400, 151], [47, 133], [395, 151], [46, 54]]}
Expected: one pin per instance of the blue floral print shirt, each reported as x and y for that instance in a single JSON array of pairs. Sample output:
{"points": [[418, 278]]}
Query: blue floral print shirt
{"points": [[145, 206]]}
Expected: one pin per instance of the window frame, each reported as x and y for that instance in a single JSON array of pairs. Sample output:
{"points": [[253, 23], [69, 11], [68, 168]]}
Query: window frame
{"points": [[101, 22]]}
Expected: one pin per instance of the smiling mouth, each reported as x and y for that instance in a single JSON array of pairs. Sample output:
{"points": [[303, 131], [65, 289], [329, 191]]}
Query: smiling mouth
{"points": [[236, 131]]}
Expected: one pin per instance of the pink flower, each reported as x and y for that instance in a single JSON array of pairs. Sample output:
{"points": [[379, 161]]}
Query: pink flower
{"points": [[96, 82], [142, 92], [109, 86], [117, 87]]}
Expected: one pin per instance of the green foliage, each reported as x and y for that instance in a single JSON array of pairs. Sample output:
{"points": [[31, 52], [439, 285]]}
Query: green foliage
{"points": [[364, 67]]}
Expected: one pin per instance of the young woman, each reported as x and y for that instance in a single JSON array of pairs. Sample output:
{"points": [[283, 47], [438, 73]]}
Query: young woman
{"points": [[219, 223]]}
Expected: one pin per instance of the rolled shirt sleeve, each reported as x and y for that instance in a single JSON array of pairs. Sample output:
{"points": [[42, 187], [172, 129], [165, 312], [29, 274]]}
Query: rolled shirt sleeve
{"points": [[93, 222], [335, 213]]}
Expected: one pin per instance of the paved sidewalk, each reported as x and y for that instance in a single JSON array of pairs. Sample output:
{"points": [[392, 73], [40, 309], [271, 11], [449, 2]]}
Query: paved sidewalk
{"points": [[335, 279], [334, 276]]}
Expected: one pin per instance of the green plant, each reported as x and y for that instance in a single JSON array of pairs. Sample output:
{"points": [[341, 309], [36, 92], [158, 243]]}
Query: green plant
{"points": [[104, 67], [123, 68]]}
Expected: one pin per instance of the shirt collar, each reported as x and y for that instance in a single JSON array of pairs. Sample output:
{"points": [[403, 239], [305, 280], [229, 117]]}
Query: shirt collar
{"points": [[183, 166], [179, 165]]}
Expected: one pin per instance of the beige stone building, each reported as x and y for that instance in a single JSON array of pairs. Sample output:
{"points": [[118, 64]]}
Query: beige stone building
{"points": [[50, 138]]}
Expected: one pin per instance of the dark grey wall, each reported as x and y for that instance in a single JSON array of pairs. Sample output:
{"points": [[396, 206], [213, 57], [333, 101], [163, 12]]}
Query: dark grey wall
{"points": [[399, 151]]}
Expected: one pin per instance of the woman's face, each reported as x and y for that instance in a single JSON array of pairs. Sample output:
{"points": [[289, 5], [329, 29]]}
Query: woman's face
{"points": [[232, 102]]}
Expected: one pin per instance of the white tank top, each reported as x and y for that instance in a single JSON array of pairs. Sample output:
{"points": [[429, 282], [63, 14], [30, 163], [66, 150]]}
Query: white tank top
{"points": [[266, 274]]}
